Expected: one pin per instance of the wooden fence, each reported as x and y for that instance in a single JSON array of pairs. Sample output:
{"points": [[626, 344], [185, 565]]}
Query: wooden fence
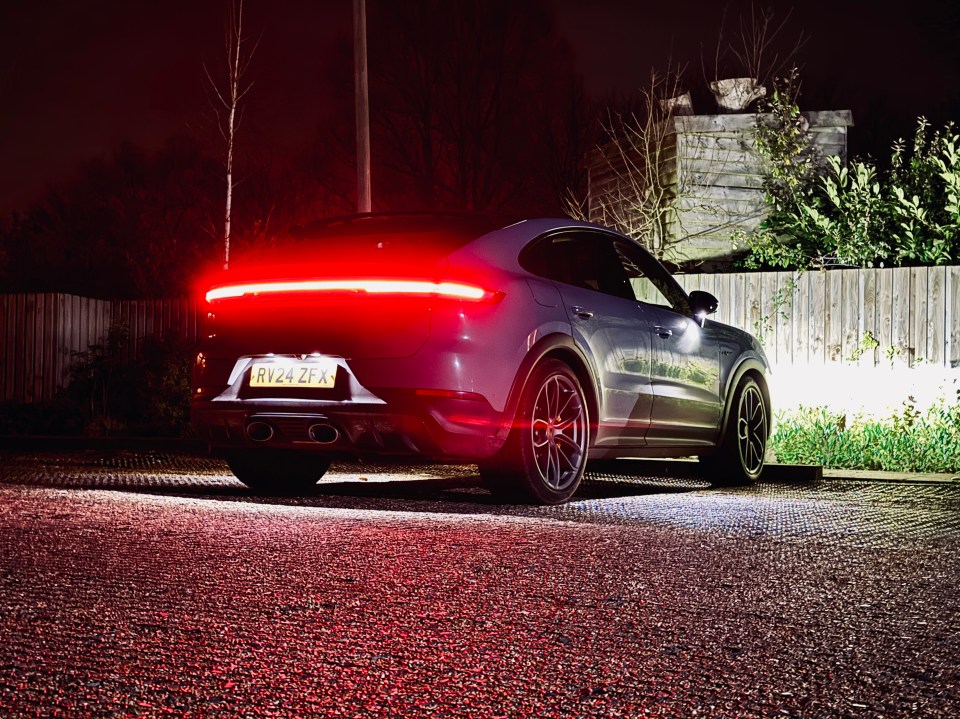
{"points": [[869, 317], [39, 334]]}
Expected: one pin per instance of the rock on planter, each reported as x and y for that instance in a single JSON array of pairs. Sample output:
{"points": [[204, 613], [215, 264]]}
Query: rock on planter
{"points": [[734, 94], [678, 105]]}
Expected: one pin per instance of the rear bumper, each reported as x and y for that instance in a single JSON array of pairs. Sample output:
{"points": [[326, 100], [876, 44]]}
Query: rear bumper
{"points": [[404, 424]]}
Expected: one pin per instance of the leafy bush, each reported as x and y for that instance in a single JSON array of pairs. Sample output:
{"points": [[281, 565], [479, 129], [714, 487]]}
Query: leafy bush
{"points": [[821, 213], [99, 382], [162, 384], [909, 441], [108, 394]]}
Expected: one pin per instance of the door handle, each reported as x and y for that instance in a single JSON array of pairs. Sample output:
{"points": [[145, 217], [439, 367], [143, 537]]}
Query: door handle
{"points": [[582, 312], [663, 332]]}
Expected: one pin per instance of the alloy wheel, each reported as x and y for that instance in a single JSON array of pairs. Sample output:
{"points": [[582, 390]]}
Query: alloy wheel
{"points": [[752, 429], [558, 431]]}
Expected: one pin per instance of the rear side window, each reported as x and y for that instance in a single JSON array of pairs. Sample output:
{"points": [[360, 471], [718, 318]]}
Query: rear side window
{"points": [[583, 260], [605, 264]]}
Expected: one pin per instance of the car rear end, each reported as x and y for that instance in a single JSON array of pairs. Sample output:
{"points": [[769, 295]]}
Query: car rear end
{"points": [[366, 338]]}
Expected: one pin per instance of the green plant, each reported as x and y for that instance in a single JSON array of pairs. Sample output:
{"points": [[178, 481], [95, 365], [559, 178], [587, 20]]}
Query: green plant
{"points": [[821, 213], [868, 343], [98, 379], [150, 395], [163, 385], [907, 441], [925, 188], [780, 299], [852, 224], [787, 237]]}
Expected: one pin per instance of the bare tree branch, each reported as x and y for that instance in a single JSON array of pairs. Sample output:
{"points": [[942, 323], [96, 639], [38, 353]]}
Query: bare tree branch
{"points": [[238, 62]]}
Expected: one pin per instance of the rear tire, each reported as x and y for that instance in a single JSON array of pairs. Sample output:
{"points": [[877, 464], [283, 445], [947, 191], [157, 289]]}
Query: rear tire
{"points": [[277, 471], [545, 456], [739, 458]]}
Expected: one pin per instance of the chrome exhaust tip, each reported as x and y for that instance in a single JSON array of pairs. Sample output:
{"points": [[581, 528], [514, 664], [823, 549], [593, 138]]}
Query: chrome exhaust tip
{"points": [[323, 433], [260, 431]]}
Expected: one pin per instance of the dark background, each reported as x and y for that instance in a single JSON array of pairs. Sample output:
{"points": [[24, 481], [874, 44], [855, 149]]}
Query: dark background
{"points": [[95, 94]]}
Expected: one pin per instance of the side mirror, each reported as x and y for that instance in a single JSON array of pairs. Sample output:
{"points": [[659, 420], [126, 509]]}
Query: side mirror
{"points": [[702, 304]]}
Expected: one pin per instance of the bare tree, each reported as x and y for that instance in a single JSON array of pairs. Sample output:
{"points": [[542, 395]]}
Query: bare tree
{"points": [[637, 159], [458, 86], [227, 103], [762, 47]]}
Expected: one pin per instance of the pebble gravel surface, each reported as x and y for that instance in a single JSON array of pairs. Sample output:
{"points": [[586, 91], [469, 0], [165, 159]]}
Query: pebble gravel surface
{"points": [[155, 585]]}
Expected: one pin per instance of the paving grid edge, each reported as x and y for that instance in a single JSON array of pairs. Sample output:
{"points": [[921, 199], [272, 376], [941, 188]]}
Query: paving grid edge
{"points": [[774, 471]]}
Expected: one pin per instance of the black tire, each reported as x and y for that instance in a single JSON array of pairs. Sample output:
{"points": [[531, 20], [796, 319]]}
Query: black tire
{"points": [[545, 456], [277, 471], [740, 457]]}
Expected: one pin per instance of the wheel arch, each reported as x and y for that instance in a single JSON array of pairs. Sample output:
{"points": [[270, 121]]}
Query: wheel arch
{"points": [[752, 367], [554, 346]]}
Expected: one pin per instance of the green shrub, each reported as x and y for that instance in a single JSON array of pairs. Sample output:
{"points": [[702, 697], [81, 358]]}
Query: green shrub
{"points": [[111, 395], [162, 385], [908, 441], [821, 213]]}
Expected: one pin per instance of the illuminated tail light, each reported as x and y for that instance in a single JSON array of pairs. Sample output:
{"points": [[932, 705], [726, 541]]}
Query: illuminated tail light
{"points": [[421, 288]]}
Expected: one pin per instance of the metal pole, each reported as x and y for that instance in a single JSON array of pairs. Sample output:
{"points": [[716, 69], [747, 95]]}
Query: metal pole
{"points": [[364, 203]]}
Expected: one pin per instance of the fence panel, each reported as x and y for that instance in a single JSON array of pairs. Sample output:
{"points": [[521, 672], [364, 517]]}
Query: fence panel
{"points": [[40, 335], [814, 318]]}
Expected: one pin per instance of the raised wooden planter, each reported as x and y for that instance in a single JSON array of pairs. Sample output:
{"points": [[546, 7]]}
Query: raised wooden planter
{"points": [[714, 177]]}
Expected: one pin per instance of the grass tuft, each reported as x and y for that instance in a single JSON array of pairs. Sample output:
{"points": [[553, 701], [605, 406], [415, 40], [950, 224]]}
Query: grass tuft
{"points": [[907, 441]]}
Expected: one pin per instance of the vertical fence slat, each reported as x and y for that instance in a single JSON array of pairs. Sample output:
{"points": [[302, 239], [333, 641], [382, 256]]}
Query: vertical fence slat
{"points": [[47, 384], [884, 310], [786, 287], [833, 305], [767, 324], [952, 293], [917, 314], [818, 290], [725, 296], [936, 316], [801, 320], [29, 347], [900, 315], [753, 299], [868, 315], [850, 304], [61, 359]]}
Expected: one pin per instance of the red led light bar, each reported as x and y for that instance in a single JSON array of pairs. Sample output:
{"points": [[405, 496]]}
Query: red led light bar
{"points": [[452, 290]]}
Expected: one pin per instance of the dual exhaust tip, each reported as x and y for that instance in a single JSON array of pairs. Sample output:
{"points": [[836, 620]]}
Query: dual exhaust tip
{"points": [[320, 432]]}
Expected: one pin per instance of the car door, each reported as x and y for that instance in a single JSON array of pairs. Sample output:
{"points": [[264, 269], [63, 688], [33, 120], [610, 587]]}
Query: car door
{"points": [[609, 326], [685, 358]]}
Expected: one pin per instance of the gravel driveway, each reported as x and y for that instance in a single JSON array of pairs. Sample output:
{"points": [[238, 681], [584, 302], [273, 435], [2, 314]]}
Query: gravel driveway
{"points": [[154, 585]]}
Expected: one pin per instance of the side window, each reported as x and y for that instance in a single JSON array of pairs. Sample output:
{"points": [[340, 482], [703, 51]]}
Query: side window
{"points": [[580, 259], [650, 282]]}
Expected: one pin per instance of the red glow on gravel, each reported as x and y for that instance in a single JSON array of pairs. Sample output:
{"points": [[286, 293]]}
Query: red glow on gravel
{"points": [[452, 290]]}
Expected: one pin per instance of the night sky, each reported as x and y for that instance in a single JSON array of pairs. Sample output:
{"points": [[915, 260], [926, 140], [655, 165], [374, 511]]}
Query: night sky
{"points": [[77, 78]]}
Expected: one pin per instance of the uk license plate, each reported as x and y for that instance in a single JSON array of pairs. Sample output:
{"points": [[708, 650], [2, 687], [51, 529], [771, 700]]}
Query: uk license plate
{"points": [[318, 374]]}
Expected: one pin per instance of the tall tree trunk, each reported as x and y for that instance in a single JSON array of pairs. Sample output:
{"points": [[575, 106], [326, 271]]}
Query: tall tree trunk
{"points": [[229, 103]]}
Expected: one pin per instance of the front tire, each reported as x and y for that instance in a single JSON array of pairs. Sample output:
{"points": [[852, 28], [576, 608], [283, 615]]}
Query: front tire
{"points": [[545, 455], [740, 457], [277, 471]]}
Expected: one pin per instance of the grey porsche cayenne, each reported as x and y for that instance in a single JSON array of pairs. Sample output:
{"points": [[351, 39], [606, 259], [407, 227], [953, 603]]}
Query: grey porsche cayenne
{"points": [[527, 348]]}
